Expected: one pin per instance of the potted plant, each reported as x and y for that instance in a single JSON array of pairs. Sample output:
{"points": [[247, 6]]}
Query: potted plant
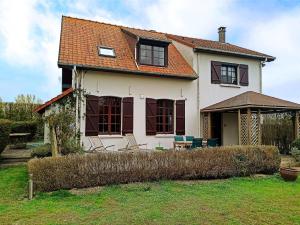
{"points": [[288, 173]]}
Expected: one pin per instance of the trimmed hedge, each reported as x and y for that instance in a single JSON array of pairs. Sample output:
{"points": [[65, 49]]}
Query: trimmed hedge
{"points": [[25, 127], [5, 126], [78, 171]]}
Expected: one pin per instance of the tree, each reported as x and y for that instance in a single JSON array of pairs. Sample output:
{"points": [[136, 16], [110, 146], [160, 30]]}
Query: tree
{"points": [[61, 122], [28, 99]]}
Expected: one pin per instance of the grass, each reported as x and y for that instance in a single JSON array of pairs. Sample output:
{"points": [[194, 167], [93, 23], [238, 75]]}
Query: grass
{"points": [[267, 200]]}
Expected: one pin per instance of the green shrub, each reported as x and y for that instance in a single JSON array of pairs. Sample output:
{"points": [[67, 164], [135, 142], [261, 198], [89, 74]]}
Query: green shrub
{"points": [[296, 143], [70, 147], [5, 126], [25, 127], [41, 151], [78, 171]]}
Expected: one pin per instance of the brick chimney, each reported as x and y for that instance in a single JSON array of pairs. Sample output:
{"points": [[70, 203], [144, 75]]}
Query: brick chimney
{"points": [[222, 34]]}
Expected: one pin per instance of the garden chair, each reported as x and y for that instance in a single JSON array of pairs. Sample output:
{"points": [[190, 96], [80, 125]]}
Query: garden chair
{"points": [[177, 142], [189, 138], [132, 144], [212, 142], [197, 143], [97, 145]]}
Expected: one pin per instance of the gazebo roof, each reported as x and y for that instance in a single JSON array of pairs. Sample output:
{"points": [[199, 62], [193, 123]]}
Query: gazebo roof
{"points": [[251, 99]]}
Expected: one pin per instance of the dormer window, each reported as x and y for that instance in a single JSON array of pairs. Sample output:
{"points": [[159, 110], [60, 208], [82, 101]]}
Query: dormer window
{"points": [[152, 54], [106, 51]]}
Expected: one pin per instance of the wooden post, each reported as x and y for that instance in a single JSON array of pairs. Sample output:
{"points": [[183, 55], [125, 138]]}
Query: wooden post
{"points": [[209, 125], [30, 187], [54, 148], [259, 127], [239, 126], [249, 125]]}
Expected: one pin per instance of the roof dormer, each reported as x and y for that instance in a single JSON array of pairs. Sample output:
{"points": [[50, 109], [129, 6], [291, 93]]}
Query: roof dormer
{"points": [[150, 48]]}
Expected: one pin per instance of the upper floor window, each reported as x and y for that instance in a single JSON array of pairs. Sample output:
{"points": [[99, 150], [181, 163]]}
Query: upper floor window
{"points": [[228, 74], [152, 55]]}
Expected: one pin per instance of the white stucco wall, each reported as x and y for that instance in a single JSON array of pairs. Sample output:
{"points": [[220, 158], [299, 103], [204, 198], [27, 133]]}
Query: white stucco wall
{"points": [[213, 93], [142, 87]]}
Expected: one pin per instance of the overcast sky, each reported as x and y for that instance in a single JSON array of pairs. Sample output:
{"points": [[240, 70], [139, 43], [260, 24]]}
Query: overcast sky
{"points": [[29, 35]]}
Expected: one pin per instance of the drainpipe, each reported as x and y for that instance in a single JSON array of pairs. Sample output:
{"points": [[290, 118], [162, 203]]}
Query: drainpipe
{"points": [[75, 86], [198, 96], [262, 64]]}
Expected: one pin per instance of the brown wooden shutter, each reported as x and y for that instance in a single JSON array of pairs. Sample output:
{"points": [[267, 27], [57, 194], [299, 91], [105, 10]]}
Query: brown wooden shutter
{"points": [[180, 117], [150, 116], [244, 78], [127, 115], [215, 72], [92, 116]]}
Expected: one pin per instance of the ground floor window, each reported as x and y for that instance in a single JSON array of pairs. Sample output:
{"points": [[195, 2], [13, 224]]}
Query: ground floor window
{"points": [[164, 116], [109, 115]]}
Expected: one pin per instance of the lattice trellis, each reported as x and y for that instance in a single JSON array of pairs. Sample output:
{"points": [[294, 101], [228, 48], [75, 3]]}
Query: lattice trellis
{"points": [[205, 127], [254, 129], [244, 129]]}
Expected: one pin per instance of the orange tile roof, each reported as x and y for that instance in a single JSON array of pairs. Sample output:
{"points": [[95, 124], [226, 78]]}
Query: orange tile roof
{"points": [[42, 108], [79, 46], [254, 100], [219, 47]]}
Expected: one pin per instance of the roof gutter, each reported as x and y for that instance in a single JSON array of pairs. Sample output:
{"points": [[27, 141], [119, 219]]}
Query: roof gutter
{"points": [[224, 52], [108, 69]]}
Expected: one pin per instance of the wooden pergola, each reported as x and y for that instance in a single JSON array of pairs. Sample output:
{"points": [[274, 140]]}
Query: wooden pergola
{"points": [[250, 106]]}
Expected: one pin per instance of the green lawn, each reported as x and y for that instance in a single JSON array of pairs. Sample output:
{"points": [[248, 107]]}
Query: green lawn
{"points": [[266, 200]]}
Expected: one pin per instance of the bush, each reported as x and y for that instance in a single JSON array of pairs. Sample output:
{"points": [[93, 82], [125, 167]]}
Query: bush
{"points": [[25, 127], [5, 126], [41, 151], [78, 171], [296, 143], [70, 147]]}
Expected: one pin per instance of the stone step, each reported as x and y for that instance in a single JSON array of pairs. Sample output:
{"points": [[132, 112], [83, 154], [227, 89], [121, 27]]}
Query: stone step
{"points": [[5, 165], [13, 160]]}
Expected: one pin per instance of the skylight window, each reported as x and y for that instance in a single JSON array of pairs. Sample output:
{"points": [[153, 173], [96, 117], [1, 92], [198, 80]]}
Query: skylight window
{"points": [[105, 51]]}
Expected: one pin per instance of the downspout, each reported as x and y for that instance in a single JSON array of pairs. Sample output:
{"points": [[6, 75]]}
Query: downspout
{"points": [[198, 96], [262, 64], [75, 86]]}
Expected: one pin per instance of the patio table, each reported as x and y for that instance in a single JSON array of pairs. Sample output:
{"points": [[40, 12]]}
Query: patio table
{"points": [[182, 144]]}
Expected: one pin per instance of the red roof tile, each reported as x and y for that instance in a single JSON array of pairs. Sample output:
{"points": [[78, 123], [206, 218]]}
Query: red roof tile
{"points": [[218, 47], [42, 108], [79, 46]]}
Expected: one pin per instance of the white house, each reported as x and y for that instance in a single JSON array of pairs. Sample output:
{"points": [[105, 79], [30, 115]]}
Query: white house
{"points": [[155, 85]]}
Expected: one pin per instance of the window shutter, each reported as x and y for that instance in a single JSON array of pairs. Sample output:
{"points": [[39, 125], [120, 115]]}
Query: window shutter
{"points": [[127, 115], [150, 116], [180, 117], [215, 72], [244, 78], [92, 116]]}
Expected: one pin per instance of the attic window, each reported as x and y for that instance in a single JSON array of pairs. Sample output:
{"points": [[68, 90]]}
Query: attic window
{"points": [[105, 51], [152, 53]]}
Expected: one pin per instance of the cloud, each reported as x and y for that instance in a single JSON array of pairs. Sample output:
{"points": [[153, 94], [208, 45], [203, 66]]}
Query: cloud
{"points": [[195, 18], [29, 31], [273, 32]]}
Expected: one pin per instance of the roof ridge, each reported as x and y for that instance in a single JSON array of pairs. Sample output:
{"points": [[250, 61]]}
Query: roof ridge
{"points": [[111, 24], [135, 28]]}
